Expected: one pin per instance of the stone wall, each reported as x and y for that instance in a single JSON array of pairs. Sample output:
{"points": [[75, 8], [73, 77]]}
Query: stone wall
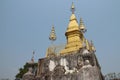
{"points": [[80, 65]]}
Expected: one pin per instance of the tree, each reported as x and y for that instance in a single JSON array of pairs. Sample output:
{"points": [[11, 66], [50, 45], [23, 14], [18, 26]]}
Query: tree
{"points": [[25, 68]]}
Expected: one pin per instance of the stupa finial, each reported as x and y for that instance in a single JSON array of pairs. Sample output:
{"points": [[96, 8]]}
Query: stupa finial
{"points": [[73, 8], [82, 26], [52, 36]]}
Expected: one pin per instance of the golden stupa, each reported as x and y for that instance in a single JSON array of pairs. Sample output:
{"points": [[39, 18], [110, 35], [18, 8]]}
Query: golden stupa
{"points": [[74, 35]]}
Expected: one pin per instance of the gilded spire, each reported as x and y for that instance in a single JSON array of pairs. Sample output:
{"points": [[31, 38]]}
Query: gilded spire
{"points": [[73, 15], [73, 24], [82, 26], [73, 8], [52, 36], [51, 50]]}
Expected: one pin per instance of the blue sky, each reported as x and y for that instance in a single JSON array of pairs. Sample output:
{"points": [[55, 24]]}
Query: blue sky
{"points": [[25, 26]]}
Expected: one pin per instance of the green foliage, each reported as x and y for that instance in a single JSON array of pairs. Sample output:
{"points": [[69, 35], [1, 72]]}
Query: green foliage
{"points": [[25, 68]]}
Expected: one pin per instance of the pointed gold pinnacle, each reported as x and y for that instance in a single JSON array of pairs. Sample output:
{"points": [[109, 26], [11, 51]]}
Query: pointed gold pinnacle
{"points": [[52, 36], [82, 26]]}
